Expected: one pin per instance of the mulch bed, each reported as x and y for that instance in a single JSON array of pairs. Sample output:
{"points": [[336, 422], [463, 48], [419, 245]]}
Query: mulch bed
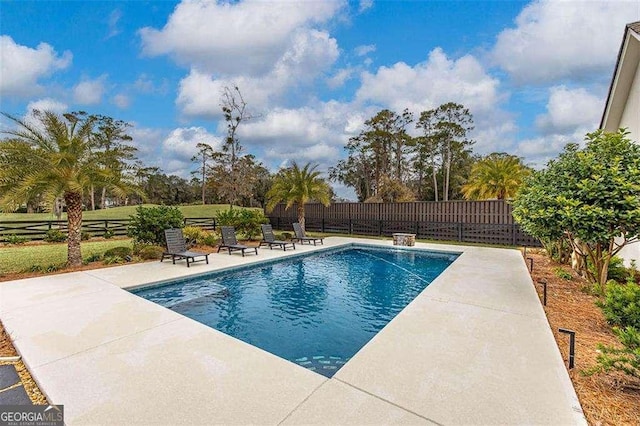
{"points": [[606, 398]]}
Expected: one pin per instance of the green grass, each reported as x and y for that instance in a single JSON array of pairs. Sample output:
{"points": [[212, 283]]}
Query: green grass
{"points": [[208, 211], [21, 258]]}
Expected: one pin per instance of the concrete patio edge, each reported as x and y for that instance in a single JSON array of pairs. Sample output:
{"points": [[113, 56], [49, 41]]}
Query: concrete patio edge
{"points": [[474, 347]]}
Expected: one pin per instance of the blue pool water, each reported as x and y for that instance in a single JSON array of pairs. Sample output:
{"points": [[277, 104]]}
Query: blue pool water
{"points": [[316, 310]]}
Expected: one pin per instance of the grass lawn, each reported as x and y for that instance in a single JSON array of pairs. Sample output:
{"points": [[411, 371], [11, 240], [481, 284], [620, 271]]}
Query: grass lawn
{"points": [[20, 258], [208, 211]]}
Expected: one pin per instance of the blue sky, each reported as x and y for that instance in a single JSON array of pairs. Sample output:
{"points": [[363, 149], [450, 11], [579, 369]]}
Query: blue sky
{"points": [[534, 74]]}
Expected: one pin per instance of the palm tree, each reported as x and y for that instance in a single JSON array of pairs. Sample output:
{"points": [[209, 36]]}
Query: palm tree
{"points": [[53, 157], [498, 175], [298, 186]]}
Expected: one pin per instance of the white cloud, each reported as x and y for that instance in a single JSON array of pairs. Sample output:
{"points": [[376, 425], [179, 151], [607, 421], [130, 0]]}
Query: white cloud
{"points": [[247, 37], [364, 5], [436, 81], [310, 52], [47, 104], [364, 50], [112, 23], [21, 67], [145, 84], [560, 39], [171, 150], [340, 77], [431, 83], [122, 101], [180, 146], [314, 133], [538, 151], [570, 109], [89, 92]]}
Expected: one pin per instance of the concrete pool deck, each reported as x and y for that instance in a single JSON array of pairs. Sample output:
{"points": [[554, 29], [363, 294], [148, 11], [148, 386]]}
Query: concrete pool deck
{"points": [[473, 348]]}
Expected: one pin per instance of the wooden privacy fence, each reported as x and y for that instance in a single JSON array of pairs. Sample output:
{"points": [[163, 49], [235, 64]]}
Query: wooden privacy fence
{"points": [[37, 230], [488, 222]]}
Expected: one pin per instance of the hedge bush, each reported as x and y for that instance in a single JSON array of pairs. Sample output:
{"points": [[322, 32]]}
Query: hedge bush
{"points": [[621, 305], [149, 223], [246, 222]]}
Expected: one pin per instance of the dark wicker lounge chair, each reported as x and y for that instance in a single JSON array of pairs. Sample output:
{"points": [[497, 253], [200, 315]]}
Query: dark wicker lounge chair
{"points": [[268, 239], [230, 242], [177, 248], [301, 237]]}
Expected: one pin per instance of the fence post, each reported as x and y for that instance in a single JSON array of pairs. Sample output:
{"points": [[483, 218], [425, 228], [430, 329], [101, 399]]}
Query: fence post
{"points": [[350, 226], [380, 227], [322, 223], [460, 231]]}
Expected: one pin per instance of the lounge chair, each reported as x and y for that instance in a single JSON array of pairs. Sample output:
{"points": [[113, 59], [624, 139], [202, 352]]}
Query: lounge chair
{"points": [[270, 240], [230, 242], [177, 248], [301, 237]]}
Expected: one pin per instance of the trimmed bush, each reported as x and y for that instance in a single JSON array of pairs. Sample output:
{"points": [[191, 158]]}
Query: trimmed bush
{"points": [[621, 305], [193, 235], [15, 239], [148, 224], [111, 260], [108, 234], [55, 236], [210, 239], [122, 252], [245, 221], [85, 236], [149, 252]]}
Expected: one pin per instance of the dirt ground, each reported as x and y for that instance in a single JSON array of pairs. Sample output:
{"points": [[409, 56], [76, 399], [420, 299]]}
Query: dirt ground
{"points": [[607, 399]]}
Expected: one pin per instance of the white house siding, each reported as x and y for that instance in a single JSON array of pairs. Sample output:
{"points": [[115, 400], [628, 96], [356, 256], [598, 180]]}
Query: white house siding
{"points": [[631, 113], [631, 120]]}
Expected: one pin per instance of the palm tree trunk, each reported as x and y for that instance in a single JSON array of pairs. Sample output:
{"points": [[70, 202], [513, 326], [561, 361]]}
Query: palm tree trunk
{"points": [[103, 198], [93, 198], [301, 215], [74, 224]]}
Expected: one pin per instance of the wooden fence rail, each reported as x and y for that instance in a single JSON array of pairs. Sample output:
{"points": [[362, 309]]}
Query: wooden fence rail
{"points": [[37, 230], [488, 222]]}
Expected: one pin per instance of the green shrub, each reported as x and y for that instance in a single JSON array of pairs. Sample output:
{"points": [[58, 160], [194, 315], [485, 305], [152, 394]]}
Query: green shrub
{"points": [[561, 273], [621, 305], [84, 235], [15, 239], [108, 234], [625, 359], [94, 257], [120, 251], [210, 239], [246, 222], [149, 252], [148, 224], [53, 268], [283, 236], [55, 236], [110, 260], [193, 235], [34, 268]]}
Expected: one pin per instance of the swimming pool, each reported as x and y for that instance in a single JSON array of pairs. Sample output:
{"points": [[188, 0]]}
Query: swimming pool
{"points": [[316, 310]]}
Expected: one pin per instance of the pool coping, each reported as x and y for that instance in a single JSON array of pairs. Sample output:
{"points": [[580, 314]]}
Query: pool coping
{"points": [[475, 349]]}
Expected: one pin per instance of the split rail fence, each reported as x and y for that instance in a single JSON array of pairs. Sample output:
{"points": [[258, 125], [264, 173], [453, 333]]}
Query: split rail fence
{"points": [[37, 230], [486, 222]]}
